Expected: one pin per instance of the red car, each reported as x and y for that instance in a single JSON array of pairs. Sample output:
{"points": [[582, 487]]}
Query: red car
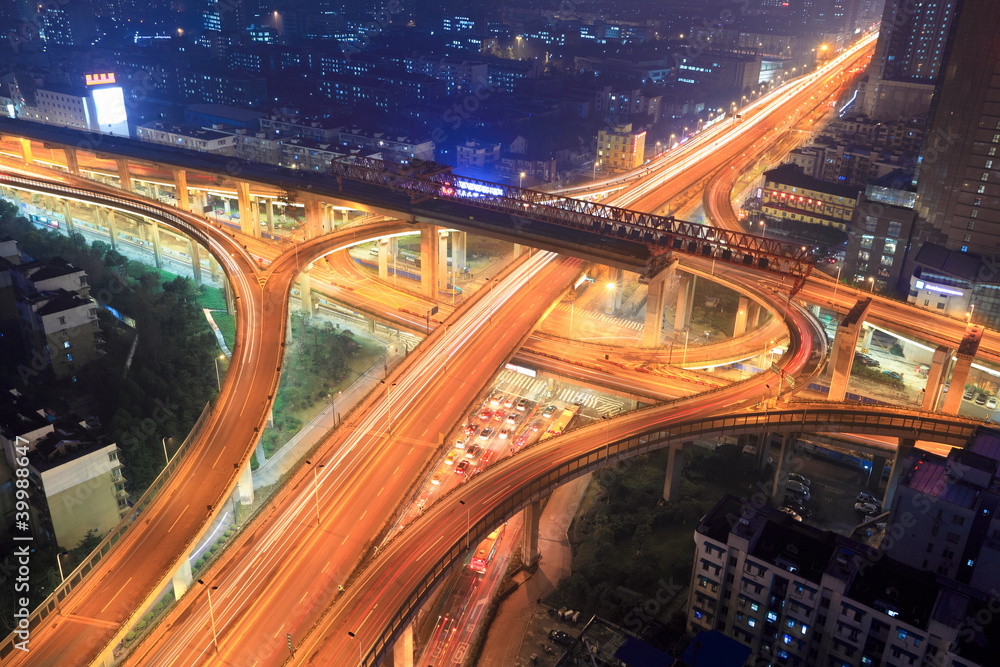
{"points": [[462, 468], [485, 414], [485, 459]]}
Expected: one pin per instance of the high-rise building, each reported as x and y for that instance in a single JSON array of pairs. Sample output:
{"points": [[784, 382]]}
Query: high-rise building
{"points": [[958, 182], [912, 46]]}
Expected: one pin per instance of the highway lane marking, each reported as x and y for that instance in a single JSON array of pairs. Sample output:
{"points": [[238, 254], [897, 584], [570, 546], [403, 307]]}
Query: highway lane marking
{"points": [[116, 594], [396, 470], [380, 492], [221, 452], [178, 518]]}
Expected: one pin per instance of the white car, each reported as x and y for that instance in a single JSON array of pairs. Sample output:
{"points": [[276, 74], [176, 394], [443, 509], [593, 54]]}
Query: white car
{"points": [[991, 404], [800, 490], [866, 508]]}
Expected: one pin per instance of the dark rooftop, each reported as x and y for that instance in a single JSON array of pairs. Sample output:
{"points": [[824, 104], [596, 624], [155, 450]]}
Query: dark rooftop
{"points": [[902, 591], [18, 415], [716, 524], [68, 441], [56, 267], [795, 547], [792, 175], [950, 262]]}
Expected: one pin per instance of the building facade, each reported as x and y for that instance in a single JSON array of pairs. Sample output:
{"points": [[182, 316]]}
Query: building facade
{"points": [[621, 149], [788, 194]]}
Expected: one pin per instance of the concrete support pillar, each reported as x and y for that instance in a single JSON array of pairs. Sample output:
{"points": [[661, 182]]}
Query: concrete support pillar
{"points": [[249, 222], [845, 342], [529, 534], [402, 650], [226, 206], [685, 301], [109, 222], [815, 311], [866, 339], [383, 259], [652, 328], [935, 379], [154, 190], [305, 291], [672, 481], [194, 250], [428, 260], [245, 486], [72, 163], [124, 175], [442, 261], [329, 219], [781, 471], [518, 249], [68, 215], [753, 315], [154, 237], [742, 316], [614, 290], [314, 219], [875, 476], [182, 579], [230, 297], [270, 216], [26, 155], [181, 185], [903, 450], [205, 203], [213, 268], [458, 251], [956, 387]]}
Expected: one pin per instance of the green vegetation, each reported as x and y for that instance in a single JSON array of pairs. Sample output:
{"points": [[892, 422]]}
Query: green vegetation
{"points": [[875, 375], [320, 360], [227, 326], [212, 298], [625, 541]]}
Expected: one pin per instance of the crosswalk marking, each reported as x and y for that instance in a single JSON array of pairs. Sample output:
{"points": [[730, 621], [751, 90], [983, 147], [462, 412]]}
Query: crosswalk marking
{"points": [[603, 317]]}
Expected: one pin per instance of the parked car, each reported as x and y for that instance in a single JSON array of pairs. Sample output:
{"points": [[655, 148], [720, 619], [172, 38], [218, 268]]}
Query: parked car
{"points": [[969, 395], [895, 375], [865, 360], [865, 497], [560, 637], [981, 399], [790, 512], [991, 404], [798, 489], [795, 477], [866, 508], [798, 507]]}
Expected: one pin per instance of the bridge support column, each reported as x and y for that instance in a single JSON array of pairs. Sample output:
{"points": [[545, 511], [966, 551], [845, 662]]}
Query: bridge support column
{"points": [[959, 376], [402, 650], [227, 207], [26, 155], [248, 210], [383, 259], [428, 260], [154, 237], [672, 481], [845, 342], [72, 163], [213, 268], [903, 450], [194, 250], [652, 328], [781, 470], [109, 222], [442, 260], [314, 219], [244, 487], [875, 476], [227, 289], [518, 249], [685, 300], [935, 379], [305, 291], [270, 216], [181, 185], [614, 289], [866, 340], [68, 215], [742, 317], [124, 175], [458, 253], [182, 579], [753, 315], [529, 534]]}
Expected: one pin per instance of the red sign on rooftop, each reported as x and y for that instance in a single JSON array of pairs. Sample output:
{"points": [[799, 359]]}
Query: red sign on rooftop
{"points": [[97, 79]]}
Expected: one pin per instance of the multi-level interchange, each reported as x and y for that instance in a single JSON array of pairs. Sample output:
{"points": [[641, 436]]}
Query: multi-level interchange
{"points": [[321, 564]]}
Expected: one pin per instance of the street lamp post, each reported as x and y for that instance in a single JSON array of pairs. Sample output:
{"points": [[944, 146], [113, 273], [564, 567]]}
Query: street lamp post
{"points": [[211, 612], [594, 177], [468, 522], [520, 181], [164, 441], [333, 408], [838, 280], [316, 486], [361, 658], [388, 398], [872, 281], [687, 332], [59, 562], [218, 378]]}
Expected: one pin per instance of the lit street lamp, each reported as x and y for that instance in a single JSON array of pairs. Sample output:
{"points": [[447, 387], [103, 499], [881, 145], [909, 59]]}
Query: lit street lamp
{"points": [[316, 486], [872, 281], [968, 315], [218, 378], [211, 612], [520, 181], [59, 561], [838, 280], [164, 441]]}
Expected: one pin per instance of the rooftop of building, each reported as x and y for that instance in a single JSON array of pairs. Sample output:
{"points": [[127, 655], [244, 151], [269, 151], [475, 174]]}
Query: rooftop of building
{"points": [[39, 270], [225, 111], [792, 175], [711, 647], [51, 302], [69, 440], [794, 547], [897, 179], [19, 415], [191, 131], [953, 263], [932, 475], [717, 523], [903, 592]]}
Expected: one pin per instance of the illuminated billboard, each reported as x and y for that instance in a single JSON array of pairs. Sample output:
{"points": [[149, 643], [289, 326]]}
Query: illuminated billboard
{"points": [[109, 103], [99, 79]]}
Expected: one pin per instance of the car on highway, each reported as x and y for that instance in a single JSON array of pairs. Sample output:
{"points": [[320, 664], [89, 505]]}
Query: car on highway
{"points": [[549, 411], [991, 404], [462, 467], [496, 400], [504, 434], [522, 404], [460, 443], [470, 429], [790, 512], [795, 477], [512, 418], [485, 414], [866, 508], [800, 490], [535, 426], [485, 459], [485, 434], [450, 459], [436, 479], [981, 399], [519, 441], [895, 375], [473, 452], [508, 402], [498, 415]]}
